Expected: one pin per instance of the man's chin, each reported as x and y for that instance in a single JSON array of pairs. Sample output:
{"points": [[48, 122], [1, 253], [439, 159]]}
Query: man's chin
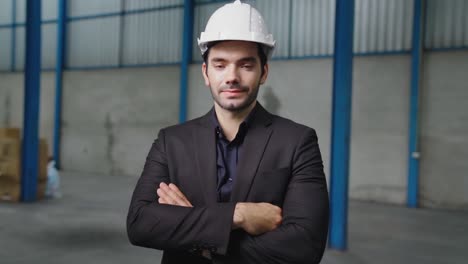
{"points": [[235, 106]]}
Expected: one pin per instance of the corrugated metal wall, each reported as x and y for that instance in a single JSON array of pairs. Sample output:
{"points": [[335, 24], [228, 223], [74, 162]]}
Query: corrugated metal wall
{"points": [[5, 34], [153, 37], [93, 41], [312, 28], [5, 12], [145, 4], [446, 24], [5, 48], [383, 26], [114, 33], [124, 32], [49, 33], [20, 33]]}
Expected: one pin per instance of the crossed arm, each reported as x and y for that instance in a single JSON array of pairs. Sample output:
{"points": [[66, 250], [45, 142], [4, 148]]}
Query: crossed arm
{"points": [[253, 218]]}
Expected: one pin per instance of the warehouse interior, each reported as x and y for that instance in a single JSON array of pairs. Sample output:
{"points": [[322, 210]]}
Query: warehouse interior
{"points": [[112, 73]]}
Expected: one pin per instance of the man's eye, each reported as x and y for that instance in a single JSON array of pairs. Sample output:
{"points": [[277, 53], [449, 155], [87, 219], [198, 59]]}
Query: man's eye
{"points": [[219, 66], [247, 66]]}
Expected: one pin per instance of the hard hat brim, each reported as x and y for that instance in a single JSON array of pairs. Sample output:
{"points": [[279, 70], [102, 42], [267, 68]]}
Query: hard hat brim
{"points": [[208, 37]]}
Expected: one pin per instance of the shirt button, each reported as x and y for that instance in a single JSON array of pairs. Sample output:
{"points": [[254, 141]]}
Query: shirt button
{"points": [[230, 179]]}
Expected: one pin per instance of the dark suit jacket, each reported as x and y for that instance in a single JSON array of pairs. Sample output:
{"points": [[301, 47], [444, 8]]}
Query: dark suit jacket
{"points": [[281, 164]]}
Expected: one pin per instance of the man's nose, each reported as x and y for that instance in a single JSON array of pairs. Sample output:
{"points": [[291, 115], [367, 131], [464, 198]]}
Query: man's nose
{"points": [[232, 76]]}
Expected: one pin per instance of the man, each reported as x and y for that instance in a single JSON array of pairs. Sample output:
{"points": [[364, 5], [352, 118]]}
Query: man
{"points": [[238, 185]]}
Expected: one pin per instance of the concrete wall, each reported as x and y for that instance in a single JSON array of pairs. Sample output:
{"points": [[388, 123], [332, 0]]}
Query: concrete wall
{"points": [[12, 103], [110, 118], [379, 136], [444, 130]]}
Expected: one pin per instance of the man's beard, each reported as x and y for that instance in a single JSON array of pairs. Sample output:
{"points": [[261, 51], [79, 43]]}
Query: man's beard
{"points": [[252, 97]]}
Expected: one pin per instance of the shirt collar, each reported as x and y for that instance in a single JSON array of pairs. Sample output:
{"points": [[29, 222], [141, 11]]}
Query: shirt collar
{"points": [[242, 127]]}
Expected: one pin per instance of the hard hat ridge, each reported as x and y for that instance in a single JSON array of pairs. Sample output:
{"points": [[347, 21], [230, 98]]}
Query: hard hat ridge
{"points": [[237, 21]]}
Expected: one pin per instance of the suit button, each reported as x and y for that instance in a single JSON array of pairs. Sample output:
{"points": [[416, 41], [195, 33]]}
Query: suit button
{"points": [[194, 248]]}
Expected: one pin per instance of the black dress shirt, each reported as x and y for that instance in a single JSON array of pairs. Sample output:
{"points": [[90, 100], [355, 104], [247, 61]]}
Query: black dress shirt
{"points": [[227, 156]]}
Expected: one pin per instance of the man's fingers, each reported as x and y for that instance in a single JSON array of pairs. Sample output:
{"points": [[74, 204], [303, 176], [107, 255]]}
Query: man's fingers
{"points": [[162, 201], [176, 194], [164, 196], [174, 188], [172, 196]]}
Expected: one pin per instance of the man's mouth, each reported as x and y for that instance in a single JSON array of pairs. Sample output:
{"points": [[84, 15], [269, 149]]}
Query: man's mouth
{"points": [[234, 91]]}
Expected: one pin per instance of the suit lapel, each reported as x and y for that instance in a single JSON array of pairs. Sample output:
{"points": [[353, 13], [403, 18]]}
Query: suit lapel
{"points": [[253, 147], [205, 152]]}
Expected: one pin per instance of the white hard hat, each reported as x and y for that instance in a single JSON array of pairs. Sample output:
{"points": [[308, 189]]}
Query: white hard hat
{"points": [[237, 21]]}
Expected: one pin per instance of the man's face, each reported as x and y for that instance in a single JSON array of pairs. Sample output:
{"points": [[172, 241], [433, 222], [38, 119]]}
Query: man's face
{"points": [[234, 74]]}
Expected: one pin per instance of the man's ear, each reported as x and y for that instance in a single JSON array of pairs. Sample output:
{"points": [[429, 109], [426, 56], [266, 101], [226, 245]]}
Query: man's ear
{"points": [[205, 74], [265, 74]]}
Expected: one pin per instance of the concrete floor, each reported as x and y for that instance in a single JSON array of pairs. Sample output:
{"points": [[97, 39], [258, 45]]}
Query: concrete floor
{"points": [[87, 225]]}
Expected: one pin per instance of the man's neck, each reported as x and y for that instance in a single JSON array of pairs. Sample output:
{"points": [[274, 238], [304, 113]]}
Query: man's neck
{"points": [[230, 121]]}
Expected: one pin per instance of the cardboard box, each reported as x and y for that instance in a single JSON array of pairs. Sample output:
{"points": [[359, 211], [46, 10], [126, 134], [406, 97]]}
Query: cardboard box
{"points": [[41, 189], [11, 191], [10, 148], [10, 132], [10, 169], [43, 159]]}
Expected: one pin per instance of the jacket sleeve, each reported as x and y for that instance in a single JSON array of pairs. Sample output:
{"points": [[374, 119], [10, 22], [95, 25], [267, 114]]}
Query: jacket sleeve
{"points": [[167, 227], [301, 238]]}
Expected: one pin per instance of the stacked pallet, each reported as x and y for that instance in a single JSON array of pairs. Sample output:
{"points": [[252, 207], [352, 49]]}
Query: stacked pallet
{"points": [[10, 165]]}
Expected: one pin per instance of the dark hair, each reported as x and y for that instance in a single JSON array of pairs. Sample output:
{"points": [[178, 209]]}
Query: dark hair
{"points": [[261, 54]]}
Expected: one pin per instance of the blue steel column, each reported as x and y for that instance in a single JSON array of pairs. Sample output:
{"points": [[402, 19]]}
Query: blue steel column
{"points": [[186, 58], [341, 123], [32, 78], [59, 65], [13, 35], [121, 32], [290, 29], [416, 61]]}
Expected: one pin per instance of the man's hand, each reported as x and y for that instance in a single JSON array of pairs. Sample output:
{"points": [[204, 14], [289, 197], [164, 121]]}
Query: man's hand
{"points": [[254, 218], [170, 194], [257, 218]]}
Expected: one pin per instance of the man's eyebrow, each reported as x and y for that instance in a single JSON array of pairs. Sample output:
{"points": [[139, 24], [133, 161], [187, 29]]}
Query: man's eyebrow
{"points": [[218, 60], [246, 59]]}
